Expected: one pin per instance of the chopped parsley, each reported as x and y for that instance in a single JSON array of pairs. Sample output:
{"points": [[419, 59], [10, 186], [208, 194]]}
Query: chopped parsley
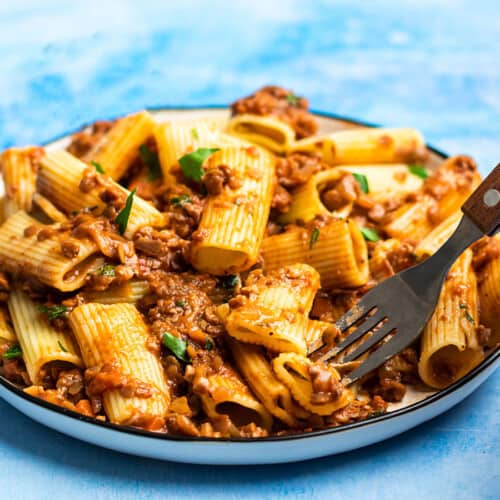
{"points": [[180, 303], [98, 167], [194, 134], [178, 201], [370, 234], [467, 314], [230, 282], [362, 180], [377, 413], [107, 270], [209, 344], [13, 352], [151, 160], [53, 312], [176, 346], [293, 99], [62, 347], [418, 170], [192, 163], [123, 216], [469, 318], [314, 237]]}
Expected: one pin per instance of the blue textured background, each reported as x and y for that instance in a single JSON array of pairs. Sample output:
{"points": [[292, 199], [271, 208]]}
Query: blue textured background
{"points": [[434, 65]]}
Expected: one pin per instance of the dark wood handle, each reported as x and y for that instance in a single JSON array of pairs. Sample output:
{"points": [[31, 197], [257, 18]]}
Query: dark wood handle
{"points": [[483, 205]]}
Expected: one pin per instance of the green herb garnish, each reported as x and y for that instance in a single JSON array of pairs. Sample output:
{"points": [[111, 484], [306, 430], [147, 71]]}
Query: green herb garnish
{"points": [[467, 314], [194, 134], [469, 318], [209, 344], [293, 99], [377, 413], [176, 345], [53, 312], [192, 163], [107, 270], [13, 352], [123, 216], [362, 180], [178, 201], [98, 167], [230, 282], [62, 347], [180, 303], [151, 160], [370, 234], [314, 237], [418, 170]]}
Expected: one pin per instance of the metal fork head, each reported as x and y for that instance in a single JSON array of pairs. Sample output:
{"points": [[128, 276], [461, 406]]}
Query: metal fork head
{"points": [[392, 305]]}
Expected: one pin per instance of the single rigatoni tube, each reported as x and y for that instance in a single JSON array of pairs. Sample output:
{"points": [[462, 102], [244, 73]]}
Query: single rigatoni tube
{"points": [[275, 313], [256, 369], [177, 138], [19, 167], [59, 180], [113, 338], [43, 259], [442, 194], [489, 297], [40, 343], [227, 394], [266, 131], [386, 180], [449, 345], [294, 371], [377, 145], [367, 145], [118, 148], [307, 202], [233, 222], [337, 251]]}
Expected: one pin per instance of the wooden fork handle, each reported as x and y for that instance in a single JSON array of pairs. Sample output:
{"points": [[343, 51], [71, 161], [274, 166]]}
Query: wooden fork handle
{"points": [[483, 205]]}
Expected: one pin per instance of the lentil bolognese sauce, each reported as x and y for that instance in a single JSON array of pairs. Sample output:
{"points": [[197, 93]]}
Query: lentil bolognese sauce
{"points": [[174, 276]]}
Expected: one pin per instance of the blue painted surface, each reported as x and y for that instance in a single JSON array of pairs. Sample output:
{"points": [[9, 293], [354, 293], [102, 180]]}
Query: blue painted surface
{"points": [[434, 65]]}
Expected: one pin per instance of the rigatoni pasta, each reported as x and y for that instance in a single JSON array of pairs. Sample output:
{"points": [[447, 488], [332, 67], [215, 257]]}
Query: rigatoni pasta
{"points": [[119, 147], [336, 250], [40, 253], [450, 346], [441, 195], [60, 180], [489, 292], [275, 313], [19, 167], [233, 222], [41, 344], [177, 275], [113, 342], [174, 139], [367, 145]]}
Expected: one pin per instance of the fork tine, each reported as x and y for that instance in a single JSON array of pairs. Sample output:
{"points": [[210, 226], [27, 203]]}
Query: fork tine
{"points": [[377, 336], [362, 308], [396, 344], [363, 328]]}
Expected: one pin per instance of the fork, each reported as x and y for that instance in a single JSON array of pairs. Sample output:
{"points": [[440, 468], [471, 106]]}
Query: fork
{"points": [[405, 301]]}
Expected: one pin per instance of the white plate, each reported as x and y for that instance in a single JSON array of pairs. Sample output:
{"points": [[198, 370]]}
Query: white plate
{"points": [[417, 406]]}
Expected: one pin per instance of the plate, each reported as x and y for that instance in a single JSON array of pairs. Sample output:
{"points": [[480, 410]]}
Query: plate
{"points": [[417, 406]]}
